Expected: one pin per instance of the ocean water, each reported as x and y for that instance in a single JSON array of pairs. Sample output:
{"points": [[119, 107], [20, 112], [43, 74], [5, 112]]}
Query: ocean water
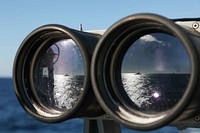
{"points": [[13, 119], [154, 92]]}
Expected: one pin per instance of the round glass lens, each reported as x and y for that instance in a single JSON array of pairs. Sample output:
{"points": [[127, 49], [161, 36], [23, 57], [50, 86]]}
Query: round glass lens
{"points": [[59, 75], [155, 73]]}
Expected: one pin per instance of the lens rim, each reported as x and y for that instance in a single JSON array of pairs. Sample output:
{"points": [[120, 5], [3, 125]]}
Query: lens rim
{"points": [[22, 74], [104, 55]]}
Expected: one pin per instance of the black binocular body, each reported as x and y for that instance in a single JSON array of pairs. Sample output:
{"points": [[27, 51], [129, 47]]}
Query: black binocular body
{"points": [[143, 73]]}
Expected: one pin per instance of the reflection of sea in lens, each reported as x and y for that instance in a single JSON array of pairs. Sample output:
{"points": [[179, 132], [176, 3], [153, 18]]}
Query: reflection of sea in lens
{"points": [[59, 75], [154, 93], [67, 90], [155, 72]]}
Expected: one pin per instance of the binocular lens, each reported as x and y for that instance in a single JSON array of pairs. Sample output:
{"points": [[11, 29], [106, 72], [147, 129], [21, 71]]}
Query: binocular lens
{"points": [[59, 75], [144, 71], [52, 74], [155, 73]]}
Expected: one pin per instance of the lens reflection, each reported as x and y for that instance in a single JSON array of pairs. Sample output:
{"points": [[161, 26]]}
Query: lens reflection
{"points": [[155, 72], [59, 75]]}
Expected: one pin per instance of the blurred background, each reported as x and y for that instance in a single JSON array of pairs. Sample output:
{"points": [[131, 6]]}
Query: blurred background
{"points": [[19, 18]]}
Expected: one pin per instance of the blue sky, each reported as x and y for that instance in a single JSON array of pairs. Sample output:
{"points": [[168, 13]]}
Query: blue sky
{"points": [[19, 17]]}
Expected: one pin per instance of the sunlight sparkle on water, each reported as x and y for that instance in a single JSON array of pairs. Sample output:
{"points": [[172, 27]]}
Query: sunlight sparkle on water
{"points": [[156, 95]]}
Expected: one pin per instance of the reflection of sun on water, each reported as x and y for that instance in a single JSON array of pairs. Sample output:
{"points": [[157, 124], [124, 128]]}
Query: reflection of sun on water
{"points": [[133, 84], [66, 91], [154, 93]]}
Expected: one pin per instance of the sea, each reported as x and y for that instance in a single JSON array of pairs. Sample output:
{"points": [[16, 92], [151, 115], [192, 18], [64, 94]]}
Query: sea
{"points": [[154, 92], [13, 118]]}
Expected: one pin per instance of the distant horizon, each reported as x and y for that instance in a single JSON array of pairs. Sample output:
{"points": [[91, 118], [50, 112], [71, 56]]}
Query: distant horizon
{"points": [[4, 77]]}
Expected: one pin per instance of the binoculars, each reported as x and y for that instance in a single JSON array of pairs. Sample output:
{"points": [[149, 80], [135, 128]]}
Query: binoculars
{"points": [[143, 73]]}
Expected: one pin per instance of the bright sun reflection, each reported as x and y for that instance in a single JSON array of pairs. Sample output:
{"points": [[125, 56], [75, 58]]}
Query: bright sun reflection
{"points": [[156, 95]]}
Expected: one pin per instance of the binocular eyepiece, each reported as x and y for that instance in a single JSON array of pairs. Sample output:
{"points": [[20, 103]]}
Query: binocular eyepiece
{"points": [[143, 72]]}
